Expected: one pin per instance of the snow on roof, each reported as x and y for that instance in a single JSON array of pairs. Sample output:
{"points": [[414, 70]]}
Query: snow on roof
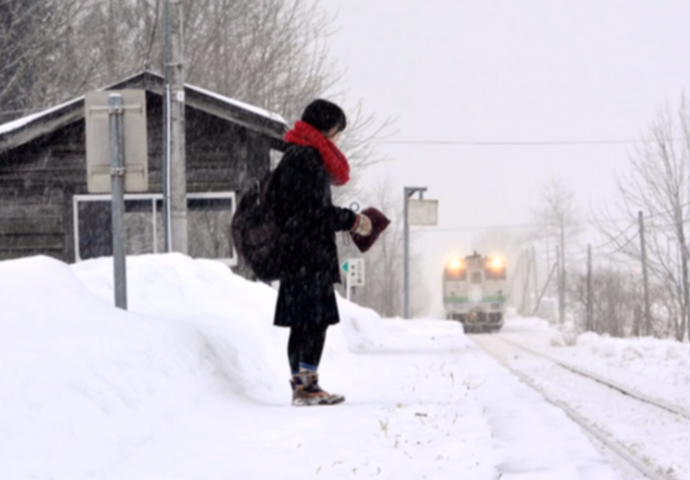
{"points": [[20, 122], [259, 111], [23, 121]]}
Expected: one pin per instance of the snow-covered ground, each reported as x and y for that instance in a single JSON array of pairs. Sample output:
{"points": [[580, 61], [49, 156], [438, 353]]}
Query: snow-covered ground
{"points": [[640, 428], [191, 383], [654, 367]]}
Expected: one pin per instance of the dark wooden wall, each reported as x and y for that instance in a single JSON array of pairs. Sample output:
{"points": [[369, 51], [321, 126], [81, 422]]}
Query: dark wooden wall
{"points": [[39, 179]]}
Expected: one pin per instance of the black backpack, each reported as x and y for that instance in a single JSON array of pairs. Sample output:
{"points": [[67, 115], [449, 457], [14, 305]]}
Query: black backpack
{"points": [[255, 233]]}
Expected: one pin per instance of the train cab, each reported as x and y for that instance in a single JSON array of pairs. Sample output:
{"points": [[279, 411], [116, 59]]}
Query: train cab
{"points": [[474, 291]]}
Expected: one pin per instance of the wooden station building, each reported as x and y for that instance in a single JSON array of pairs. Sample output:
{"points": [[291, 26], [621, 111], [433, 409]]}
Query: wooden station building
{"points": [[44, 205]]}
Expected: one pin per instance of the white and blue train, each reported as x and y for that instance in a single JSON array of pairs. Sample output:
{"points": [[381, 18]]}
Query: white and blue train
{"points": [[475, 292]]}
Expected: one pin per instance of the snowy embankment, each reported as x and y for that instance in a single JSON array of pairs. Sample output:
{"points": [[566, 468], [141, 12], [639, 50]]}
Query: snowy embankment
{"points": [[191, 383], [78, 375], [655, 367]]}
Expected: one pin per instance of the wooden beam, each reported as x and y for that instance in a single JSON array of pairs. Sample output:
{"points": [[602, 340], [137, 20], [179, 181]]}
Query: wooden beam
{"points": [[31, 226], [32, 242], [26, 211]]}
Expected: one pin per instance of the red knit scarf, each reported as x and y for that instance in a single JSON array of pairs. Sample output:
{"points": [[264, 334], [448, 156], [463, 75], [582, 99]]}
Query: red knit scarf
{"points": [[333, 159]]}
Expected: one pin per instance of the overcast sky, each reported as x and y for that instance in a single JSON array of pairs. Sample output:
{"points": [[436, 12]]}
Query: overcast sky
{"points": [[508, 71]]}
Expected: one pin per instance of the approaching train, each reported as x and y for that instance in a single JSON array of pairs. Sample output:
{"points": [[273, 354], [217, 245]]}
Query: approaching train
{"points": [[475, 292]]}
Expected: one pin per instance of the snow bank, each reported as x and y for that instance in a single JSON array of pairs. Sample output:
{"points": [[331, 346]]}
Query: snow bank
{"points": [[234, 315], [654, 366], [638, 353], [665, 362], [78, 375]]}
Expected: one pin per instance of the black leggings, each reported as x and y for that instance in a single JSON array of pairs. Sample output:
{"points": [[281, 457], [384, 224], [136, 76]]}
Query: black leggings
{"points": [[305, 344]]}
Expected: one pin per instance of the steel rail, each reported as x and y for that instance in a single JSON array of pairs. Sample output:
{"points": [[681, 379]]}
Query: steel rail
{"points": [[620, 450], [657, 402]]}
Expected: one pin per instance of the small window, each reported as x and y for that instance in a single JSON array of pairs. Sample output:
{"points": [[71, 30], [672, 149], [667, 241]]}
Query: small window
{"points": [[460, 274], [495, 273], [208, 222], [476, 276]]}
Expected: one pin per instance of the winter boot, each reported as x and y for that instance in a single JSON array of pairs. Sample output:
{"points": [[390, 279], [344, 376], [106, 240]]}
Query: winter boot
{"points": [[306, 391]]}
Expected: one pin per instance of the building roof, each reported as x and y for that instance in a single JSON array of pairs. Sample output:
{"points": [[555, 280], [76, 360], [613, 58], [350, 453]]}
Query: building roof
{"points": [[25, 129]]}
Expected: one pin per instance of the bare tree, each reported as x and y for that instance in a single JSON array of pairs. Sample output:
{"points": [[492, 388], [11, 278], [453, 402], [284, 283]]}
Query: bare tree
{"points": [[560, 222], [360, 137], [34, 37], [658, 184], [384, 275], [269, 53], [616, 301], [384, 261]]}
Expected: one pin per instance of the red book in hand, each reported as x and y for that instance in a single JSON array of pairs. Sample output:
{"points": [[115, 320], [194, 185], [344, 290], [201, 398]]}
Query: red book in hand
{"points": [[379, 222]]}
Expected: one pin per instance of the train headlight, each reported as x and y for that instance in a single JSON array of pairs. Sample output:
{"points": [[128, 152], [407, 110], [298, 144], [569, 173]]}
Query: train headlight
{"points": [[455, 264], [497, 263]]}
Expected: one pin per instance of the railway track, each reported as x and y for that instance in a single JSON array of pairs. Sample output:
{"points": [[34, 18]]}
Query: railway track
{"points": [[636, 459], [657, 402]]}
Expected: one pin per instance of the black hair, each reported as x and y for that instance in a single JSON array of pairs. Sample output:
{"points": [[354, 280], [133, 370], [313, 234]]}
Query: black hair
{"points": [[324, 116]]}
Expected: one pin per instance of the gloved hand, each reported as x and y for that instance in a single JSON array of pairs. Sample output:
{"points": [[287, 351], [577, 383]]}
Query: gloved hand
{"points": [[362, 225]]}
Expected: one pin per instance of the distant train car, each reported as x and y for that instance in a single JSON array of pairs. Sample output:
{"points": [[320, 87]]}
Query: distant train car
{"points": [[475, 292]]}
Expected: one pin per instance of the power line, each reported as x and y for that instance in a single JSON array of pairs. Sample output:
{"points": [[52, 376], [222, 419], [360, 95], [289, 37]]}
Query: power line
{"points": [[623, 246], [486, 227], [510, 227], [494, 143], [616, 238]]}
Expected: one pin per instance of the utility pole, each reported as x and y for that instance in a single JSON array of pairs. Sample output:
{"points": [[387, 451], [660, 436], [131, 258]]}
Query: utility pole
{"points": [[548, 252], [526, 272], [543, 291], [564, 275], [590, 304], [177, 175], [531, 266], [408, 192], [645, 279], [513, 278], [536, 276], [165, 163], [561, 285]]}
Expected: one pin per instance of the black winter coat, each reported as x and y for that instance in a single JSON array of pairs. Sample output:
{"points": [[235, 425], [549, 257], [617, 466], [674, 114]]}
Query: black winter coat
{"points": [[306, 216]]}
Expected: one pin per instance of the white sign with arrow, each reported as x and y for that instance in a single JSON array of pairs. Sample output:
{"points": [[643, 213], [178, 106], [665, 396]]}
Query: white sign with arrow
{"points": [[354, 270]]}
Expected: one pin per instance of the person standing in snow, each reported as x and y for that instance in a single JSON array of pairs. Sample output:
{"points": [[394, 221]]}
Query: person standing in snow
{"points": [[308, 221]]}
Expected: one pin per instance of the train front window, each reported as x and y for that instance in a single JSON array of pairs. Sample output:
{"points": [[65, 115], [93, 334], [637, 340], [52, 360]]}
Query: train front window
{"points": [[495, 273], [456, 273], [476, 276]]}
